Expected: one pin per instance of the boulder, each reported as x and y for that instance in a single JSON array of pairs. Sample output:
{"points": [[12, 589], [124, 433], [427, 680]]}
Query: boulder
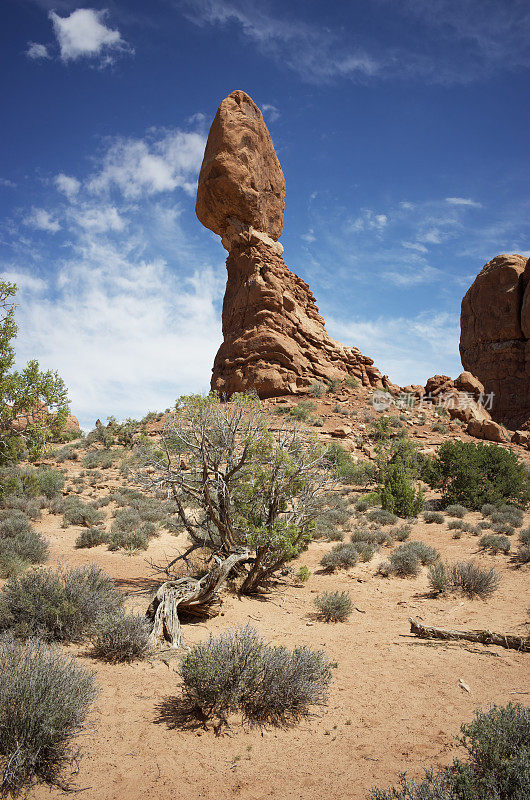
{"points": [[494, 336], [487, 429]]}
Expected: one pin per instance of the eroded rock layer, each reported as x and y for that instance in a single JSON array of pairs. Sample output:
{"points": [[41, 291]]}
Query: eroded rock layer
{"points": [[494, 336], [275, 340]]}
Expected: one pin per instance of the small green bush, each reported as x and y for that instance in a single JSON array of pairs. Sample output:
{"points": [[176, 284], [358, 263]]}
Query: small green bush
{"points": [[426, 554], [503, 528], [494, 543], [473, 581], [75, 512], [341, 556], [238, 671], [524, 536], [433, 517], [401, 533], [62, 605], [302, 411], [404, 563], [44, 699], [456, 510], [303, 573], [381, 516], [51, 482], [99, 459], [20, 544], [121, 638], [523, 554], [334, 606], [498, 749], [317, 389], [398, 493], [439, 579], [352, 382], [91, 537]]}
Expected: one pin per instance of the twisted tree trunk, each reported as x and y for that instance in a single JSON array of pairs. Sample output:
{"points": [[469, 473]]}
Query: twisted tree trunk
{"points": [[189, 595]]}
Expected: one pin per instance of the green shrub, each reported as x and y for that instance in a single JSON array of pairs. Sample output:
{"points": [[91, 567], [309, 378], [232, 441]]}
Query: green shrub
{"points": [[426, 554], [494, 543], [51, 482], [381, 516], [488, 509], [456, 510], [398, 493], [439, 579], [238, 671], [433, 517], [127, 540], [523, 554], [121, 638], [302, 410], [317, 389], [91, 537], [524, 536], [20, 544], [62, 605], [341, 556], [367, 551], [352, 382], [508, 515], [401, 533], [503, 527], [404, 563], [473, 581], [362, 505], [334, 606], [44, 699], [439, 427], [477, 474], [75, 512], [357, 473], [303, 573], [498, 750], [99, 459]]}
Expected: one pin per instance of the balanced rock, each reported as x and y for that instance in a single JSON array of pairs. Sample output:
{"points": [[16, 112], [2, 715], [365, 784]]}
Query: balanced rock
{"points": [[494, 333], [275, 341]]}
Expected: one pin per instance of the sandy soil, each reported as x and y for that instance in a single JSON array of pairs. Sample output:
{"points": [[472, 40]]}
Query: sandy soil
{"points": [[395, 701]]}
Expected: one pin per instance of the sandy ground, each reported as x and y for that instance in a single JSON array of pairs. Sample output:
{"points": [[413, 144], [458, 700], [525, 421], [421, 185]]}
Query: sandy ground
{"points": [[395, 702]]}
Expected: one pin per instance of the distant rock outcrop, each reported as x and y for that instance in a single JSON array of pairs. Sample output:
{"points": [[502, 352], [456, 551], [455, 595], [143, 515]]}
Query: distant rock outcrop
{"points": [[494, 336], [275, 341]]}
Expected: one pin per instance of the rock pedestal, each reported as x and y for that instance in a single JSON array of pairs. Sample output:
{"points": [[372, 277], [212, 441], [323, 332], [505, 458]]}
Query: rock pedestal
{"points": [[275, 341]]}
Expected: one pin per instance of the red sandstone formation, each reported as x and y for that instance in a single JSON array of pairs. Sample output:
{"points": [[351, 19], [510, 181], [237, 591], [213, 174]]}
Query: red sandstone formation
{"points": [[495, 329], [275, 341]]}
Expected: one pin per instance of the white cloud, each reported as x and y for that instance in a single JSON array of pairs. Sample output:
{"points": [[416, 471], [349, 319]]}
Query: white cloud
{"points": [[368, 220], [99, 219], [83, 34], [420, 248], [42, 220], [408, 349], [7, 182], [270, 112], [67, 185], [36, 51], [309, 237], [139, 166], [431, 236], [23, 280], [462, 201], [412, 276], [126, 335]]}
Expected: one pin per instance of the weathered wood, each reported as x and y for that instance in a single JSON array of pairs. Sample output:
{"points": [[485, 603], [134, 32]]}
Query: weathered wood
{"points": [[189, 595], [509, 641]]}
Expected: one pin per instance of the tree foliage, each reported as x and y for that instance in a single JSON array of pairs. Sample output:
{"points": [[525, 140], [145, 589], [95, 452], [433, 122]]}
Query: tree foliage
{"points": [[237, 483], [33, 404], [475, 474]]}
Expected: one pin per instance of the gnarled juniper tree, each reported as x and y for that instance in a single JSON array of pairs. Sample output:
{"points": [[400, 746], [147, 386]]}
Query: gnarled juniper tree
{"points": [[239, 481]]}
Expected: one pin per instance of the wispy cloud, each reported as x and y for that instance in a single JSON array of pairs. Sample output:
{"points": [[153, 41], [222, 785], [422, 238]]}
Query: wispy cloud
{"points": [[463, 201], [67, 184], [42, 220], [36, 51], [408, 349], [455, 43]]}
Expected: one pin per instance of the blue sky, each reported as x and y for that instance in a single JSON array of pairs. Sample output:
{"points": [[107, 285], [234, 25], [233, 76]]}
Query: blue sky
{"points": [[401, 126]]}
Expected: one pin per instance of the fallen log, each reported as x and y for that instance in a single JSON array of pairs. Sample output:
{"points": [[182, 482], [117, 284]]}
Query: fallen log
{"points": [[188, 595], [509, 641]]}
